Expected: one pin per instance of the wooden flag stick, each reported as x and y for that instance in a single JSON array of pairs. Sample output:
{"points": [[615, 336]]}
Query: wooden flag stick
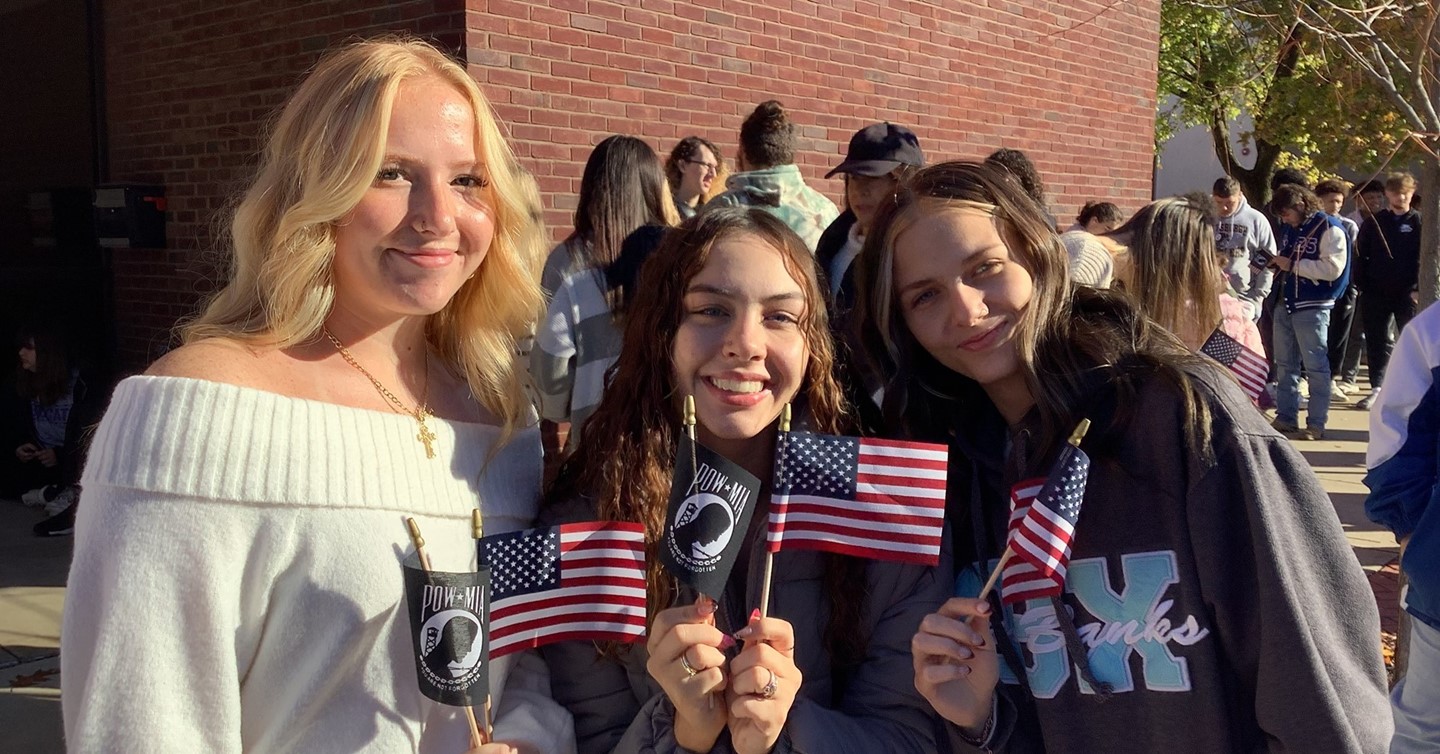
{"points": [[689, 422], [476, 739], [995, 574], [770, 556], [477, 530]]}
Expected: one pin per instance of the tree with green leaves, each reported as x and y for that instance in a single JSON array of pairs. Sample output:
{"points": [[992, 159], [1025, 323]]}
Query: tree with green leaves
{"points": [[1395, 46], [1310, 109]]}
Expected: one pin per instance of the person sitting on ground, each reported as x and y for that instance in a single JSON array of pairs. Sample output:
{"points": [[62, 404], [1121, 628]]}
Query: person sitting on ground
{"points": [[769, 179], [696, 173], [44, 425]]}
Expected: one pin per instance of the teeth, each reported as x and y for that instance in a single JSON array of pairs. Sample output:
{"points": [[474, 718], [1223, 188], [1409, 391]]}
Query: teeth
{"points": [[738, 386]]}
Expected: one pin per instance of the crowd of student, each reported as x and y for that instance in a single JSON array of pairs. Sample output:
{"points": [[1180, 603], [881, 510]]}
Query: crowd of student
{"points": [[237, 581]]}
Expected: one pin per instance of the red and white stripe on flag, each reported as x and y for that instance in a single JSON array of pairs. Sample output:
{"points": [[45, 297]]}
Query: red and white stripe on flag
{"points": [[600, 594], [1021, 580], [897, 512]]}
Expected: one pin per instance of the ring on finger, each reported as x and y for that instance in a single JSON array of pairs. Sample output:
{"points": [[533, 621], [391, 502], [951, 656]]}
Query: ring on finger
{"points": [[768, 690], [685, 663]]}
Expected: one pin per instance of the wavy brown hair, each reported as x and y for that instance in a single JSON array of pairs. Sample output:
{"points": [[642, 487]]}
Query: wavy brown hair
{"points": [[626, 457], [1085, 342]]}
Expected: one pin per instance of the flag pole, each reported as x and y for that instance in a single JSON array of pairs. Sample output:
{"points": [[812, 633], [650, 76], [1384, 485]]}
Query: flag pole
{"points": [[476, 740], [1075, 438], [689, 422], [477, 530], [770, 556]]}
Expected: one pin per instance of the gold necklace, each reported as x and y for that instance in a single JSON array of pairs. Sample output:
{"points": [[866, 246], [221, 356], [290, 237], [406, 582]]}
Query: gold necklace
{"points": [[426, 437]]}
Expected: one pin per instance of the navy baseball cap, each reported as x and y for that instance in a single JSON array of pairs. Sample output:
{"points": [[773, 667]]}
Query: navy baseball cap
{"points": [[878, 149]]}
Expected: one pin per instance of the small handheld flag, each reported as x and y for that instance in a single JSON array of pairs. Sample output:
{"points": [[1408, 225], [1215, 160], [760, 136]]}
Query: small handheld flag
{"points": [[449, 633], [1249, 368], [871, 498], [1042, 527], [558, 583], [712, 500]]}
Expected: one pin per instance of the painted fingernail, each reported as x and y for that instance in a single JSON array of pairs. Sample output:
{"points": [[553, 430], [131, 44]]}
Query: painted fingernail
{"points": [[726, 641], [744, 632], [705, 606], [755, 615]]}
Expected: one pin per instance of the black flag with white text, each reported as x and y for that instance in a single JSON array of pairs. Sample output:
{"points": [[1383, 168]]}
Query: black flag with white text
{"points": [[449, 625], [711, 503]]}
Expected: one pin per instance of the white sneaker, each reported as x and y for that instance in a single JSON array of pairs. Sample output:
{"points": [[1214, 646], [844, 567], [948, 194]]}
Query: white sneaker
{"points": [[61, 501], [1338, 388], [34, 498]]}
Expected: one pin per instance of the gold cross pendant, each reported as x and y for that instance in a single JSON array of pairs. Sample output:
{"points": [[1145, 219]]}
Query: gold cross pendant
{"points": [[427, 437]]}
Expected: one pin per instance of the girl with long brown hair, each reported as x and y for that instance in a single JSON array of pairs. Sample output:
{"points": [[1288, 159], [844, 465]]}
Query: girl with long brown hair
{"points": [[734, 316], [1211, 602]]}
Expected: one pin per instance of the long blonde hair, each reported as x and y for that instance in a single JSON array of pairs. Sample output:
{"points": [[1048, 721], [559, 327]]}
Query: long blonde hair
{"points": [[322, 154], [1170, 267]]}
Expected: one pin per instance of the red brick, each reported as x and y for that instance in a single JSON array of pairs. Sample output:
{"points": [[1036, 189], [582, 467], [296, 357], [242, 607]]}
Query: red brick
{"points": [[190, 85]]}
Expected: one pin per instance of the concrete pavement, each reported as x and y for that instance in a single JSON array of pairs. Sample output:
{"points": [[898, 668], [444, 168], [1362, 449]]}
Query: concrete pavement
{"points": [[33, 570]]}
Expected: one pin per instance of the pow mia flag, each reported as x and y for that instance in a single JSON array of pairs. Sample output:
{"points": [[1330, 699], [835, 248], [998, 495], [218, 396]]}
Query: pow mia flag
{"points": [[449, 624], [711, 502]]}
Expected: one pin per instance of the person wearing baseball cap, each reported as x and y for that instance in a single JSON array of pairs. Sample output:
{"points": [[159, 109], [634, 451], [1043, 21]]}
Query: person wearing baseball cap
{"points": [[880, 154], [879, 157]]}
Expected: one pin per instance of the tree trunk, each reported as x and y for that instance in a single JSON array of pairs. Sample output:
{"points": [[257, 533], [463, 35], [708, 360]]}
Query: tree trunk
{"points": [[1429, 206]]}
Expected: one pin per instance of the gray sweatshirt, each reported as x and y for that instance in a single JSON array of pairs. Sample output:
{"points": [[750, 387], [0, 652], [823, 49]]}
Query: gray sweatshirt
{"points": [[1219, 600], [1246, 238]]}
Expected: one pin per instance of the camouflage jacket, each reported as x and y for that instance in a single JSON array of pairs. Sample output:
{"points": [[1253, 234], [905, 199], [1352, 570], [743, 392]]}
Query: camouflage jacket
{"points": [[782, 192]]}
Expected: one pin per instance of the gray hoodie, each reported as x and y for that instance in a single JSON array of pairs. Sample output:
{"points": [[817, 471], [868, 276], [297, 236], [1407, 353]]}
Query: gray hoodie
{"points": [[1245, 236]]}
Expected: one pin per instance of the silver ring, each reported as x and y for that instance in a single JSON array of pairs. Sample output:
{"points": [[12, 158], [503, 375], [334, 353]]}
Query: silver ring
{"points": [[685, 663], [768, 692]]}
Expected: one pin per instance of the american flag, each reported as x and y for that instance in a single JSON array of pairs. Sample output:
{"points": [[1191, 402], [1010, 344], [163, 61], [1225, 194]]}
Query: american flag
{"points": [[573, 581], [1042, 527], [881, 499], [1250, 368]]}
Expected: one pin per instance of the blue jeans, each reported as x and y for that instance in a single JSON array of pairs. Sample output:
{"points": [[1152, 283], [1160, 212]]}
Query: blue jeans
{"points": [[1416, 698], [1301, 339]]}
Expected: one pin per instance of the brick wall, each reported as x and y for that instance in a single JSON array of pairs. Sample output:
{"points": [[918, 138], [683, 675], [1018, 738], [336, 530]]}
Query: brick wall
{"points": [[1072, 83], [189, 87]]}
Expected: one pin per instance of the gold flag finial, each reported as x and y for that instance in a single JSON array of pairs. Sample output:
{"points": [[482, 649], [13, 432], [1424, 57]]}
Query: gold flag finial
{"points": [[1079, 433]]}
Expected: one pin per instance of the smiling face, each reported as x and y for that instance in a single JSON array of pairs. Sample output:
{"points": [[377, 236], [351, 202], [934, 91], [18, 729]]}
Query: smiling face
{"points": [[424, 225], [962, 295], [697, 172], [739, 348]]}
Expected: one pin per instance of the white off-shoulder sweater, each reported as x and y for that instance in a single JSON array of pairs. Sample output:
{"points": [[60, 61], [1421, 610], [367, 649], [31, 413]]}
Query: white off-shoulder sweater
{"points": [[237, 583]]}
